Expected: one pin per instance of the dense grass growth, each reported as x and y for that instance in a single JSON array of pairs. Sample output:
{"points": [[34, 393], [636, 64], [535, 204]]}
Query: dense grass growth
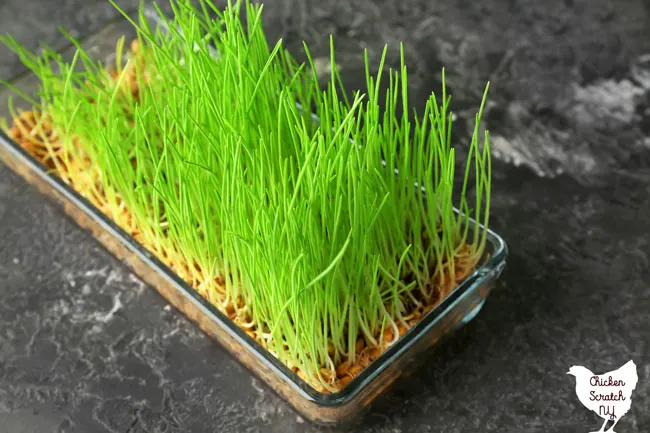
{"points": [[297, 226]]}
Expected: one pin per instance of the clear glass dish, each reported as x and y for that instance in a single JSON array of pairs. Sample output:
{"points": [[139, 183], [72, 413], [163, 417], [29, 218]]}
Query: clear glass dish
{"points": [[456, 310]]}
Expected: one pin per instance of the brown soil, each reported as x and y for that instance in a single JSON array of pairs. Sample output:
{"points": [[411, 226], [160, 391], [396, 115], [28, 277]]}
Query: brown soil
{"points": [[35, 133]]}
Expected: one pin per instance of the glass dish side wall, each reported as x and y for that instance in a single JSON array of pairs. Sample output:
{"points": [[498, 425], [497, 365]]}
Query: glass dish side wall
{"points": [[347, 404]]}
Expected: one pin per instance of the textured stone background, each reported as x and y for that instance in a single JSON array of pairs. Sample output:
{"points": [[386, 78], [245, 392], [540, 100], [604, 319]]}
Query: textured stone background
{"points": [[86, 347]]}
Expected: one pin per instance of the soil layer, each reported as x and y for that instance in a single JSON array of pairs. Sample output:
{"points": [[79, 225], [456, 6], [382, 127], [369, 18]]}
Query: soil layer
{"points": [[34, 133]]}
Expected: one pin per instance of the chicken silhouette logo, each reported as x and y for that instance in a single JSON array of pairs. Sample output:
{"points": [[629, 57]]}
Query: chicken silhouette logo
{"points": [[609, 394]]}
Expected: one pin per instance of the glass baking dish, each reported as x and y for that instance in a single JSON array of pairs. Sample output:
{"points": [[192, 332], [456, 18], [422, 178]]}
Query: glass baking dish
{"points": [[456, 310]]}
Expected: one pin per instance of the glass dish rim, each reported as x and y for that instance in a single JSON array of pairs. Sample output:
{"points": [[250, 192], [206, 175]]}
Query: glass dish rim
{"points": [[494, 263]]}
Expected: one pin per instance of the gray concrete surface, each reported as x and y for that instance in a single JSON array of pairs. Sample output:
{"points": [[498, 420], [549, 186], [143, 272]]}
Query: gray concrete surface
{"points": [[86, 347]]}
